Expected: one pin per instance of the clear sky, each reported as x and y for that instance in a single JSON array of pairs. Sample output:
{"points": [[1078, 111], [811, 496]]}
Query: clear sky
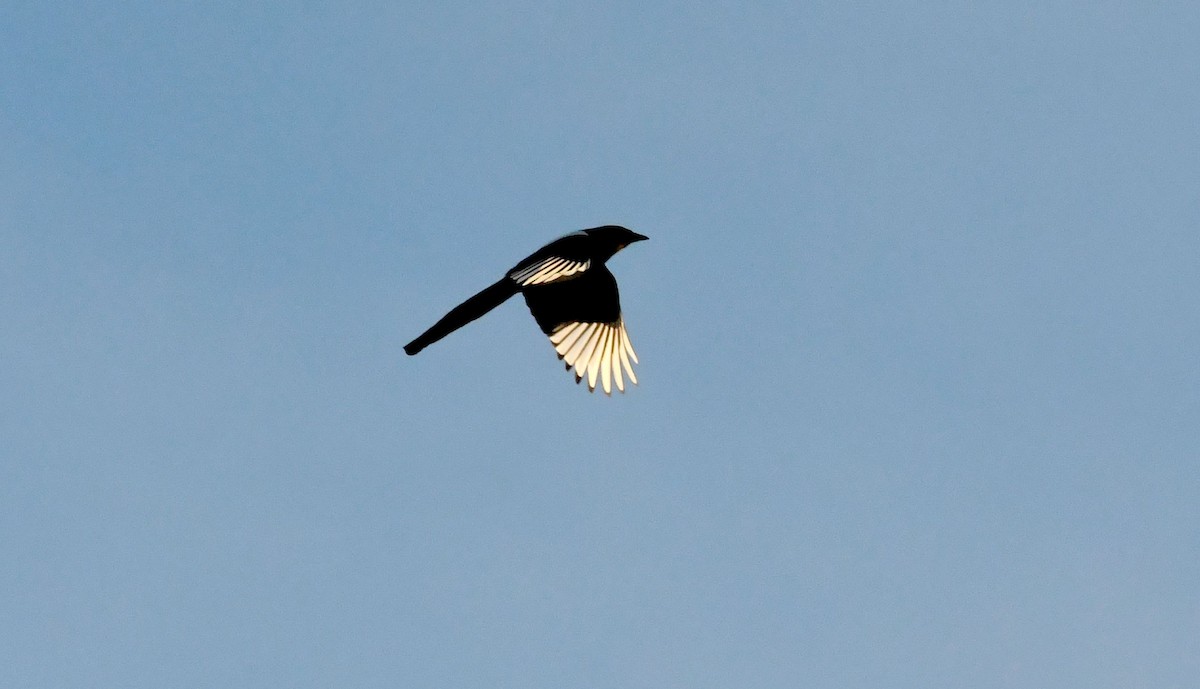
{"points": [[918, 325]]}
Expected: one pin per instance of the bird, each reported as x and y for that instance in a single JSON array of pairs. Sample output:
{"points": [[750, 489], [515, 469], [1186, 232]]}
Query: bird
{"points": [[574, 299]]}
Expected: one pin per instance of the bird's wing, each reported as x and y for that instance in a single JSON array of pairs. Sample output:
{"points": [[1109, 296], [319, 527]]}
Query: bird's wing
{"points": [[563, 259], [598, 350], [582, 317], [548, 270]]}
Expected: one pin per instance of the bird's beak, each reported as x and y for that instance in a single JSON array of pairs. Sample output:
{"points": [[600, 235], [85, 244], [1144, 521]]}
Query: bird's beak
{"points": [[638, 238]]}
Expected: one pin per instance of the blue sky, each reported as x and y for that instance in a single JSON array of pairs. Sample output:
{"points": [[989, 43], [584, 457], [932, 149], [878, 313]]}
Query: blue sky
{"points": [[917, 323]]}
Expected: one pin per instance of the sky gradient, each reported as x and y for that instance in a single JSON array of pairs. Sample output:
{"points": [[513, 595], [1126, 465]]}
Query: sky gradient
{"points": [[917, 322]]}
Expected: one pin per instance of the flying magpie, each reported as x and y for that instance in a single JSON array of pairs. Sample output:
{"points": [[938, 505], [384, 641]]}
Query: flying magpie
{"points": [[574, 300]]}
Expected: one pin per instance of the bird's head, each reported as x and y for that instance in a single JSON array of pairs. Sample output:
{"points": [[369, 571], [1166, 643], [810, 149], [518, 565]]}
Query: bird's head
{"points": [[612, 238]]}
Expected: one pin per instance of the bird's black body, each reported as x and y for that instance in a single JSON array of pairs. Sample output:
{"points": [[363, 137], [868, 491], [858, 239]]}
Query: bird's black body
{"points": [[573, 297], [591, 298]]}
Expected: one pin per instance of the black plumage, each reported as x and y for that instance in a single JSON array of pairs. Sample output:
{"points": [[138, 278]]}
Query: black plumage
{"points": [[574, 299]]}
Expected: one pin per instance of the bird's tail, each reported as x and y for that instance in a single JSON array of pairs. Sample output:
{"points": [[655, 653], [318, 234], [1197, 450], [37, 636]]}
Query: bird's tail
{"points": [[464, 313]]}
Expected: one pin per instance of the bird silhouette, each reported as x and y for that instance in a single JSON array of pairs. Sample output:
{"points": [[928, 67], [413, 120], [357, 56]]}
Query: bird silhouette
{"points": [[574, 299]]}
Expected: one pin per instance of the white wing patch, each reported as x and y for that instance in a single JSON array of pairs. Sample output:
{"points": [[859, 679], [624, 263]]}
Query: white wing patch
{"points": [[599, 351], [548, 270]]}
